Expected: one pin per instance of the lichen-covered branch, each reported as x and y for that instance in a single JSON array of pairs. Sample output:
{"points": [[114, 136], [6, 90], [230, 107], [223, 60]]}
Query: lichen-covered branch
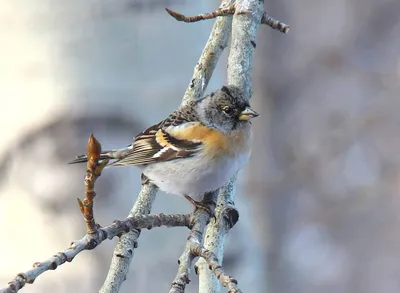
{"points": [[244, 29], [199, 222], [216, 43], [216, 233], [124, 251], [194, 248], [214, 265], [248, 16], [91, 241], [244, 32], [200, 219]]}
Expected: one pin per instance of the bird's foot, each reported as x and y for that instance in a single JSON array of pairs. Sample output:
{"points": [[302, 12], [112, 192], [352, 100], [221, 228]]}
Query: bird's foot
{"points": [[206, 206], [145, 179]]}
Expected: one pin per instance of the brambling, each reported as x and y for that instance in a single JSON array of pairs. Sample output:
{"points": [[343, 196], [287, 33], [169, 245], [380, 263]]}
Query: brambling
{"points": [[197, 149]]}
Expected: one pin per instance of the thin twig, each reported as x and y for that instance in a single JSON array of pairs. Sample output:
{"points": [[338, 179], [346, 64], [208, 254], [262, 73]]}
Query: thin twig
{"points": [[275, 24], [266, 19], [90, 241], [219, 12], [214, 265]]}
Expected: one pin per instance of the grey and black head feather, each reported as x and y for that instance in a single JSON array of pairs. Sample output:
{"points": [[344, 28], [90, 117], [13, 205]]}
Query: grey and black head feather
{"points": [[222, 108]]}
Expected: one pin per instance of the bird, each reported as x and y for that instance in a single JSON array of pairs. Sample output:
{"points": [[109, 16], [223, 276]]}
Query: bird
{"points": [[196, 149]]}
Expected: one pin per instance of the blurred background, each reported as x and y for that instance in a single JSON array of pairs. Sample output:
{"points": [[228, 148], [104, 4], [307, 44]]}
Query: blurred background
{"points": [[318, 202]]}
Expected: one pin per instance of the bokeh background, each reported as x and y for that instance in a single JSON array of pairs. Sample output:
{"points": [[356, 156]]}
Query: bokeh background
{"points": [[318, 202]]}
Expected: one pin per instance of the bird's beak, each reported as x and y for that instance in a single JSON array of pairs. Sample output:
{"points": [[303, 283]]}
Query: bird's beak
{"points": [[248, 114]]}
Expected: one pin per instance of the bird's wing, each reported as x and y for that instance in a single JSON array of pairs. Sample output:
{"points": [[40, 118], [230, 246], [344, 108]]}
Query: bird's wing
{"points": [[160, 143]]}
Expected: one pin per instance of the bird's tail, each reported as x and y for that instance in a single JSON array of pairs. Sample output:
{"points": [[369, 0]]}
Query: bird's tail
{"points": [[106, 155]]}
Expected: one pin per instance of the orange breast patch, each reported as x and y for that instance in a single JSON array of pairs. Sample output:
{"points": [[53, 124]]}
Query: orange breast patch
{"points": [[216, 143]]}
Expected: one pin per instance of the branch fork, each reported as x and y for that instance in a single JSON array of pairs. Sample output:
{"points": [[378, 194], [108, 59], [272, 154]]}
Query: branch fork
{"points": [[194, 248]]}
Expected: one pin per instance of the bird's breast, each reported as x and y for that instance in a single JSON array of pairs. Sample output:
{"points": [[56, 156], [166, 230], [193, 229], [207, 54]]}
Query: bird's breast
{"points": [[219, 158], [216, 143]]}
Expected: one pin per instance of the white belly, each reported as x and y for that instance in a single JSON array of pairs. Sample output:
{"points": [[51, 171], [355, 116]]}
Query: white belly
{"points": [[194, 176]]}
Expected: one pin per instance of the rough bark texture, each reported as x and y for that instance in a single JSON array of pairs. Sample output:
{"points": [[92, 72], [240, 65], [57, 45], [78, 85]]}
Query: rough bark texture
{"points": [[217, 42], [239, 73], [195, 239], [215, 237], [124, 250], [244, 33], [91, 241]]}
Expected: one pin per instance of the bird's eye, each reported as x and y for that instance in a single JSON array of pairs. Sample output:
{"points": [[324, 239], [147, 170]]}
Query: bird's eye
{"points": [[227, 110]]}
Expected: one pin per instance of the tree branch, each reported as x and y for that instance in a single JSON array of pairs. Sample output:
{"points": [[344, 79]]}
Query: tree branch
{"points": [[275, 24], [244, 29], [244, 32], [95, 234], [194, 248], [216, 43], [216, 233], [214, 265], [266, 19], [200, 219], [91, 241], [226, 215], [219, 12], [124, 250]]}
